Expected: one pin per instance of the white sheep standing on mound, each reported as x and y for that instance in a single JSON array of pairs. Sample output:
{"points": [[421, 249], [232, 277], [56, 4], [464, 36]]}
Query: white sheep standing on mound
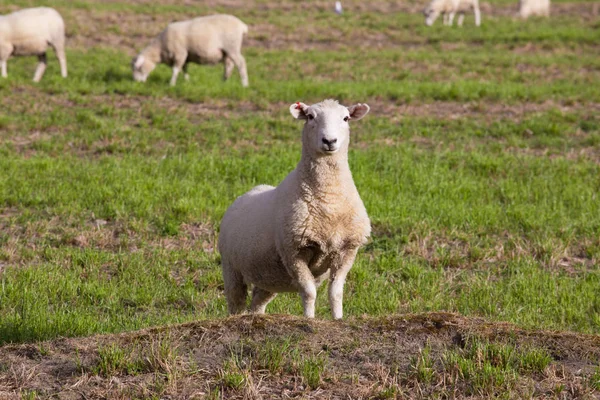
{"points": [[202, 40], [529, 8], [449, 8], [292, 237], [29, 32]]}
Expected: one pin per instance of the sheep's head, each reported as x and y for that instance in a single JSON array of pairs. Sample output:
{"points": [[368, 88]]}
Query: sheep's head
{"points": [[141, 68], [326, 129], [430, 14]]}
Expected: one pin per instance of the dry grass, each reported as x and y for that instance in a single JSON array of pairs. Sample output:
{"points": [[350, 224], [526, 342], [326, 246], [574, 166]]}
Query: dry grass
{"points": [[399, 356]]}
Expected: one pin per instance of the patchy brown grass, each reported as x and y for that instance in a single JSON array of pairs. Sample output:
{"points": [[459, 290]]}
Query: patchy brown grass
{"points": [[26, 240], [242, 357], [20, 102], [130, 30], [449, 250], [135, 111], [455, 251]]}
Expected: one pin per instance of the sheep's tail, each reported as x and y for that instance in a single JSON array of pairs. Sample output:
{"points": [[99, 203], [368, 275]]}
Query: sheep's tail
{"points": [[244, 29]]}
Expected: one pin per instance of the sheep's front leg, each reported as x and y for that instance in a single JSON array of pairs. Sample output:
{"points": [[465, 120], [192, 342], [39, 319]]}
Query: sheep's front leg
{"points": [[477, 16], [5, 52], [41, 68], [461, 18], [260, 299], [337, 281], [304, 280], [176, 70], [179, 62], [451, 18], [445, 19]]}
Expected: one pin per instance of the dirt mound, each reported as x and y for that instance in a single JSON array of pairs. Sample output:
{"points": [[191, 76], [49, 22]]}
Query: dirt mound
{"points": [[275, 356]]}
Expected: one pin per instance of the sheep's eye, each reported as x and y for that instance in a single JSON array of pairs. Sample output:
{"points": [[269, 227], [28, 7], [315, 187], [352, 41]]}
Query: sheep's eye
{"points": [[346, 119], [311, 117]]}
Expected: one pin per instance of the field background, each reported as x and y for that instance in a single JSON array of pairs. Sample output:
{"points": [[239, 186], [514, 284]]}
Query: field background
{"points": [[479, 165]]}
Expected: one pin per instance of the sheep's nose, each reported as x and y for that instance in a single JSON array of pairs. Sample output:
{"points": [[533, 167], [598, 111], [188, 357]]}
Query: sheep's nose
{"points": [[329, 142]]}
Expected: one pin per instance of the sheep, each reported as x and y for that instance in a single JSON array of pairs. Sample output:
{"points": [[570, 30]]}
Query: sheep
{"points": [[449, 8], [292, 237], [528, 8], [29, 32], [202, 40]]}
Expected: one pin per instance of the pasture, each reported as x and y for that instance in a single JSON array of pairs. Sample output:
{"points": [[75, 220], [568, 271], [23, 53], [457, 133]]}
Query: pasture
{"points": [[479, 165]]}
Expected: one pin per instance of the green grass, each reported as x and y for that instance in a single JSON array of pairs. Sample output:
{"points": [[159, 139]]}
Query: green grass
{"points": [[491, 369], [463, 75], [422, 366], [111, 191]]}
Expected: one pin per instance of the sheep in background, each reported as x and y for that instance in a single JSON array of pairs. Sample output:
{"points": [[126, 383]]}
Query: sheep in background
{"points": [[528, 8], [29, 32], [449, 8], [292, 237], [203, 40]]}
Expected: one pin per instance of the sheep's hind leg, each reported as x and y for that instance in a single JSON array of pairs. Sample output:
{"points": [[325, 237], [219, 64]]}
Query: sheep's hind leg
{"points": [[3, 67], [260, 299], [236, 290], [240, 63], [59, 49], [229, 65], [461, 18], [445, 19], [41, 67]]}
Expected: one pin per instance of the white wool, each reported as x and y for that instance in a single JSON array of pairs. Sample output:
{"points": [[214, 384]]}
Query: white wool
{"points": [[529, 8], [449, 8], [202, 40], [292, 237], [29, 32]]}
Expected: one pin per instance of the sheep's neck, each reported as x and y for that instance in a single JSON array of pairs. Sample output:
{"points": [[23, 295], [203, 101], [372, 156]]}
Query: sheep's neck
{"points": [[324, 175], [152, 52]]}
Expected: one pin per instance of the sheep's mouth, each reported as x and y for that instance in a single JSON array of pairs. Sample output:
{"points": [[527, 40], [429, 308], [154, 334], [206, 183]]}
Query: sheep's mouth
{"points": [[329, 150]]}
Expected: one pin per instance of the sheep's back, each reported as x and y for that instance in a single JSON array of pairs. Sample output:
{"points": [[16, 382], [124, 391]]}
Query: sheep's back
{"points": [[205, 38], [31, 29]]}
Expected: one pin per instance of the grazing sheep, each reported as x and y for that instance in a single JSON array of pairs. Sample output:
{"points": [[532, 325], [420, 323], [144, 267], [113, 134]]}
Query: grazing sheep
{"points": [[29, 32], [292, 237], [449, 8], [203, 40], [528, 8]]}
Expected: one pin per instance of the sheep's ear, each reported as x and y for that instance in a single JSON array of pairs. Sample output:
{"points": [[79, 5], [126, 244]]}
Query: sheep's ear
{"points": [[298, 110], [138, 61], [358, 111]]}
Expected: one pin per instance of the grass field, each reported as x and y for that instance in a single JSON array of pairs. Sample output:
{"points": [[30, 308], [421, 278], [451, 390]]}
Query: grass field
{"points": [[479, 165]]}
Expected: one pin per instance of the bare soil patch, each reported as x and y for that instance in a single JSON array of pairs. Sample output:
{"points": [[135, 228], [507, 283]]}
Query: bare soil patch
{"points": [[362, 358]]}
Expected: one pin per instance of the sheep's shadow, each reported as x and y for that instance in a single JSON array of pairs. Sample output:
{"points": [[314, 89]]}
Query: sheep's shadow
{"points": [[114, 75]]}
